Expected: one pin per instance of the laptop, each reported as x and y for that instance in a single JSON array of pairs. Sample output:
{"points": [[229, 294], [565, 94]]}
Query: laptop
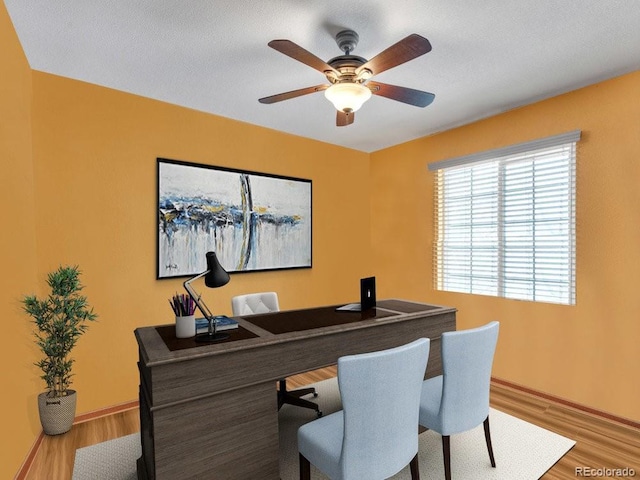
{"points": [[367, 297]]}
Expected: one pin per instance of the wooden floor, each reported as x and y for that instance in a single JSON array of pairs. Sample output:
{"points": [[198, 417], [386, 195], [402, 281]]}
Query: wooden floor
{"points": [[601, 443]]}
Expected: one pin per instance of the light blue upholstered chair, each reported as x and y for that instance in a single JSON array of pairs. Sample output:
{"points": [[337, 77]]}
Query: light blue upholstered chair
{"points": [[266, 302], [458, 400], [375, 435]]}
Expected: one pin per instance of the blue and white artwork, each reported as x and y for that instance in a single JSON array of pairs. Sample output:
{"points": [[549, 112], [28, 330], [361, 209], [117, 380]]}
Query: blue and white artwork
{"points": [[252, 221]]}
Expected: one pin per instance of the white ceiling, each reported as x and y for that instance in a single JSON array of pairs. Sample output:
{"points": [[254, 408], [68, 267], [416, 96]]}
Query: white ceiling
{"points": [[212, 55]]}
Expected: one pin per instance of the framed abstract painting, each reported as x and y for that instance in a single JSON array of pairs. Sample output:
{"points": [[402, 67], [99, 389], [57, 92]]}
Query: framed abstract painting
{"points": [[253, 221]]}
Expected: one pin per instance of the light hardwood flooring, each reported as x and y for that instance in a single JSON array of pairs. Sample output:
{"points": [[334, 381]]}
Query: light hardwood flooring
{"points": [[601, 443]]}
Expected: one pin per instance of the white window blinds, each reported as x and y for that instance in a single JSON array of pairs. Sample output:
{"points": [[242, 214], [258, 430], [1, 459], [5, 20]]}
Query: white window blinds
{"points": [[505, 222]]}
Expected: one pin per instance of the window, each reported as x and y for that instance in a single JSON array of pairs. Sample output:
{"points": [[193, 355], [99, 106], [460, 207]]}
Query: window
{"points": [[505, 222]]}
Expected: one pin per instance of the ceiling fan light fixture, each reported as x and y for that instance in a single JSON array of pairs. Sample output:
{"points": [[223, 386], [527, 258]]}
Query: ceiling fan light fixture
{"points": [[347, 97]]}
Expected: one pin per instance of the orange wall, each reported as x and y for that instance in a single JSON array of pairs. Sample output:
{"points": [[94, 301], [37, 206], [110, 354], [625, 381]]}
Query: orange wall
{"points": [[18, 414], [587, 353], [95, 155]]}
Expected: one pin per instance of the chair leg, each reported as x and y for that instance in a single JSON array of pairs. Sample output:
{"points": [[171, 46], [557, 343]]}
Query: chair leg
{"points": [[446, 454], [415, 470], [293, 397], [305, 468], [301, 392], [487, 437]]}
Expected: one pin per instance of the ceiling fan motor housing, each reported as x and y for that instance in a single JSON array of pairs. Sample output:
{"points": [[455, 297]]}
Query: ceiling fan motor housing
{"points": [[342, 61], [347, 64]]}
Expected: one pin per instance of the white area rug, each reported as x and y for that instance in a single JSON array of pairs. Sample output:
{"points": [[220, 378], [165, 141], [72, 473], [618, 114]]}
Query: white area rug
{"points": [[523, 451], [111, 460]]}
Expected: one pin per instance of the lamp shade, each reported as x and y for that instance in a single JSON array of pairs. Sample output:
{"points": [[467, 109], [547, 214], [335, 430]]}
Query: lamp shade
{"points": [[216, 275], [347, 97]]}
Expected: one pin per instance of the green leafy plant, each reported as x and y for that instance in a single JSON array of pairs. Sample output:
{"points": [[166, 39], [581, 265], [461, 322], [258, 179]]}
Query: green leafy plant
{"points": [[60, 320]]}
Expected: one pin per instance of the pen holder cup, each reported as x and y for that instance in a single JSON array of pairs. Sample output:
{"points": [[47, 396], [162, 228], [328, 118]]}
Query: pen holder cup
{"points": [[186, 326]]}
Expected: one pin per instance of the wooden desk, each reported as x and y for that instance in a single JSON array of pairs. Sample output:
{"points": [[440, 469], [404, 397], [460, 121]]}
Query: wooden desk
{"points": [[210, 410]]}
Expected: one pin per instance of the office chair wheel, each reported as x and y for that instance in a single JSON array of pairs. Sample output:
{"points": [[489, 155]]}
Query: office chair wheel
{"points": [[315, 394], [319, 413]]}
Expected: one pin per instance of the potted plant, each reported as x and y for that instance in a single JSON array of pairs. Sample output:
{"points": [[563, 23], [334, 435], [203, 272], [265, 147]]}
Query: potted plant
{"points": [[60, 320]]}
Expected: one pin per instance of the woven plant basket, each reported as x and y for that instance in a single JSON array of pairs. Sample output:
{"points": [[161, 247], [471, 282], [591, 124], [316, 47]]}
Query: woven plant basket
{"points": [[57, 413]]}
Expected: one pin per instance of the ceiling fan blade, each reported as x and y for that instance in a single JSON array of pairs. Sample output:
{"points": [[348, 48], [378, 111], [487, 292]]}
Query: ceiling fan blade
{"points": [[298, 53], [293, 94], [406, 49], [401, 94], [343, 119]]}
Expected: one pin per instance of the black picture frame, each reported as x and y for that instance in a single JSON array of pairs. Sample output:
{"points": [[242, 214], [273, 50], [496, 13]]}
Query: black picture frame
{"points": [[253, 221]]}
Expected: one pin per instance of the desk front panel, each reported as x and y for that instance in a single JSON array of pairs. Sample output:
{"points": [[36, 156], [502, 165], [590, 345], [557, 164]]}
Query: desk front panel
{"points": [[225, 436]]}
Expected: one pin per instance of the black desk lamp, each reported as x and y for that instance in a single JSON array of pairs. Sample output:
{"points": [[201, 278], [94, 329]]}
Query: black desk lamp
{"points": [[215, 276]]}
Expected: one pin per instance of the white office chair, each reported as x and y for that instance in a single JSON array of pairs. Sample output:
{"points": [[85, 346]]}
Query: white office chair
{"points": [[458, 400], [375, 435], [265, 302]]}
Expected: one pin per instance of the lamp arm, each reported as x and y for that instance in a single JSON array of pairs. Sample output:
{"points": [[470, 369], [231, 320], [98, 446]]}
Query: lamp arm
{"points": [[197, 298]]}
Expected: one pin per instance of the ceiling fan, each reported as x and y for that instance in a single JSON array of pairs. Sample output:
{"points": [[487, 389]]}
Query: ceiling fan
{"points": [[349, 75]]}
